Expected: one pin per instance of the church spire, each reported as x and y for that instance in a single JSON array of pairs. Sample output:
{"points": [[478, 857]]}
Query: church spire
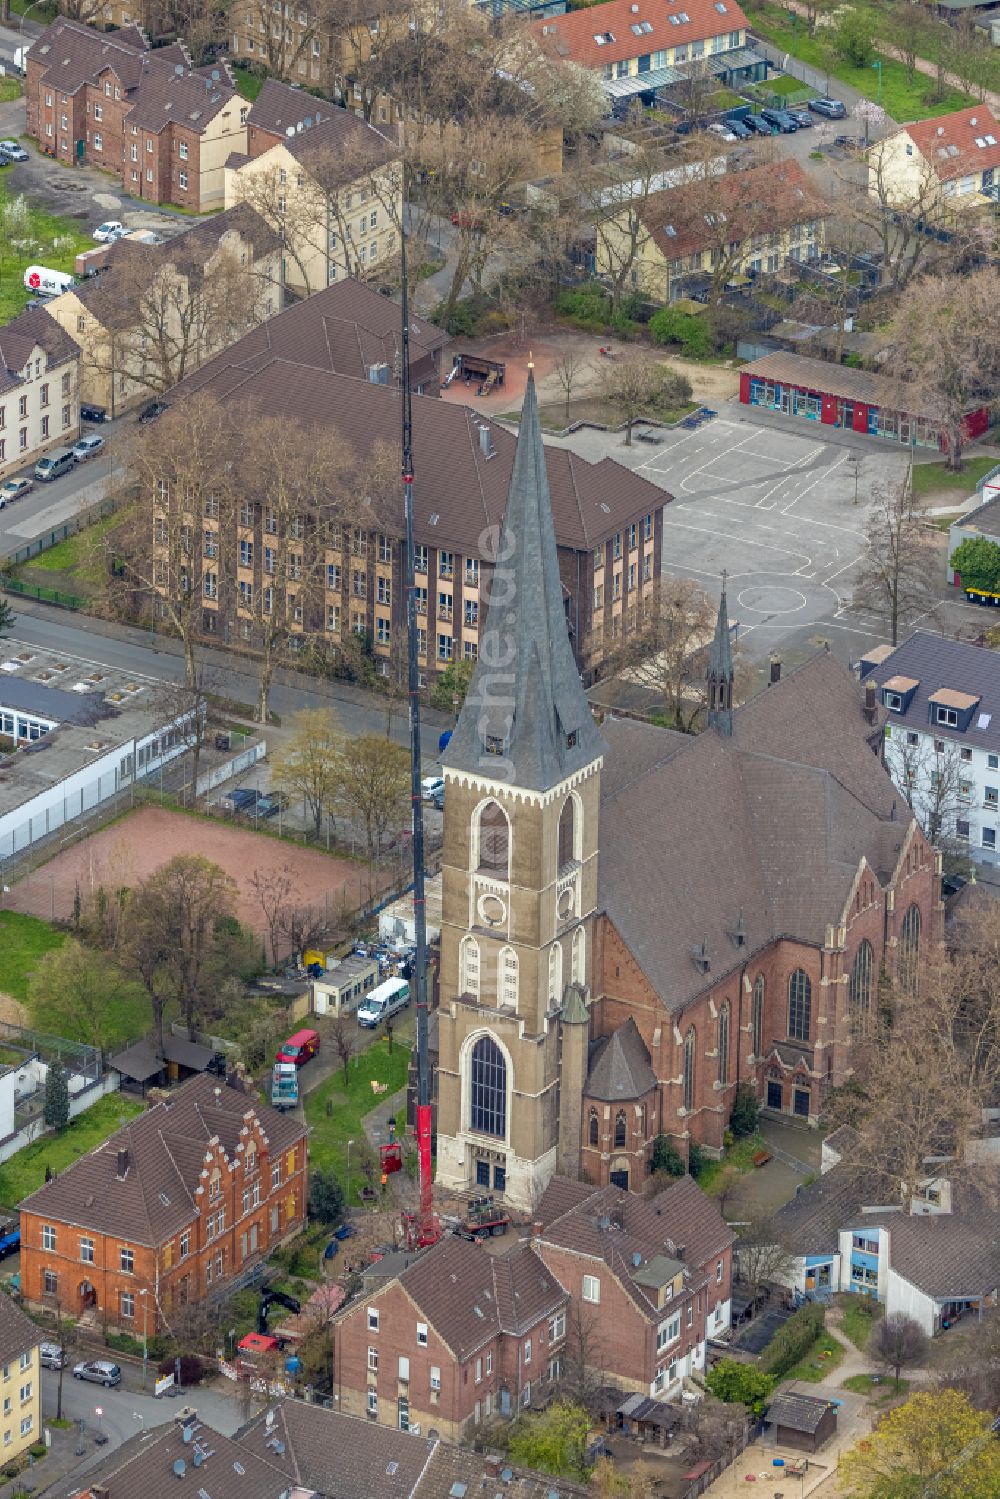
{"points": [[525, 719], [720, 672]]}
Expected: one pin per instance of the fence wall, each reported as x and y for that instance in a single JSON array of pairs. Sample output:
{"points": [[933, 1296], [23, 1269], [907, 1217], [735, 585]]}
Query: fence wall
{"points": [[231, 767]]}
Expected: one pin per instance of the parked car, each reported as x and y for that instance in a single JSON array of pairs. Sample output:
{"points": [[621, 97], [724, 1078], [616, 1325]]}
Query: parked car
{"points": [[830, 109], [272, 803], [430, 786], [802, 118], [111, 229], [345, 1231], [99, 1371], [760, 126], [780, 119], [727, 133], [13, 489], [87, 447], [243, 800], [58, 462], [90, 413], [152, 410], [13, 150], [300, 1048], [51, 1356], [740, 129]]}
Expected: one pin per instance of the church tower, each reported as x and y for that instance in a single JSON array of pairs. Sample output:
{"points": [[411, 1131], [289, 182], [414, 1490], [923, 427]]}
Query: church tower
{"points": [[720, 672], [522, 793]]}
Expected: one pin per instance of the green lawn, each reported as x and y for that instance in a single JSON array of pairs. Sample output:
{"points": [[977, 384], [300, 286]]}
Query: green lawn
{"points": [[23, 940], [249, 84], [26, 1170], [901, 99], [77, 552], [349, 1103], [928, 477], [860, 1315], [881, 1389], [739, 1155], [10, 89], [815, 1366], [45, 238]]}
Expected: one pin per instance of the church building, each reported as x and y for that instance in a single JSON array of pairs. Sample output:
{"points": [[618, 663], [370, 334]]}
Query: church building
{"points": [[636, 921]]}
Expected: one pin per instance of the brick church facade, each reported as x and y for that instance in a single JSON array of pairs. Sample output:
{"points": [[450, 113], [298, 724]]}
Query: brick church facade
{"points": [[636, 921]]}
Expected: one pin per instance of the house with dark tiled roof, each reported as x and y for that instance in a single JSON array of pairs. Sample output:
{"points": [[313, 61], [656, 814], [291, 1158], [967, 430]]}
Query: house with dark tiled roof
{"points": [[164, 127], [328, 180], [298, 1451], [649, 1279], [39, 389], [458, 1337], [21, 1377], [172, 1208]]}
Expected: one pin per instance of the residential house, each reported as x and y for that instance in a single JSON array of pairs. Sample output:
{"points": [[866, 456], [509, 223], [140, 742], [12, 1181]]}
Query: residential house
{"points": [[458, 1338], [162, 127], [983, 521], [942, 738], [950, 162], [20, 1381], [177, 1206], [835, 396], [936, 1261], [39, 389], [156, 312], [296, 1450], [712, 230], [330, 184], [608, 519], [649, 1279], [639, 48]]}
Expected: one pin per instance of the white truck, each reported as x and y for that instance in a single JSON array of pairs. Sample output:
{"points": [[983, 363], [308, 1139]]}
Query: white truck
{"points": [[42, 282], [391, 996]]}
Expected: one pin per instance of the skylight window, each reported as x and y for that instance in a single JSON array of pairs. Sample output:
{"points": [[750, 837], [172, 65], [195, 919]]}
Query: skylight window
{"points": [[636, 29], [647, 26], [603, 37], [980, 142], [991, 140], [671, 231], [720, 7]]}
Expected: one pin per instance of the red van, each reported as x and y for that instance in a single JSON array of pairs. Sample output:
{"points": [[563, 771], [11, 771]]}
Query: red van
{"points": [[299, 1048]]}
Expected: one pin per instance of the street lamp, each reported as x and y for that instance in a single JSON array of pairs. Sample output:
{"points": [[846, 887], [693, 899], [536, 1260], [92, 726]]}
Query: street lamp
{"points": [[347, 1194], [878, 67]]}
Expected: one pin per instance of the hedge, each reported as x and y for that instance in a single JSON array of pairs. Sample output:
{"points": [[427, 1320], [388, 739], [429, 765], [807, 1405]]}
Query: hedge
{"points": [[793, 1341]]}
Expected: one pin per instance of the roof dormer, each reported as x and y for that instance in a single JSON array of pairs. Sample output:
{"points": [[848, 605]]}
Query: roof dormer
{"points": [[949, 709], [897, 693]]}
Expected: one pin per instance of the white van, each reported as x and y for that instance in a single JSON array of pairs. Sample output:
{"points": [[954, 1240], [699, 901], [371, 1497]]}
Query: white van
{"points": [[45, 283], [382, 1002]]}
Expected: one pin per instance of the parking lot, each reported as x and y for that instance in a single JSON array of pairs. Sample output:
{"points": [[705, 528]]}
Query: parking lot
{"points": [[781, 512]]}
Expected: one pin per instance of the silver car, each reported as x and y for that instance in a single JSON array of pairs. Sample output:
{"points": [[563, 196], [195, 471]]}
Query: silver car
{"points": [[51, 1356], [99, 1371]]}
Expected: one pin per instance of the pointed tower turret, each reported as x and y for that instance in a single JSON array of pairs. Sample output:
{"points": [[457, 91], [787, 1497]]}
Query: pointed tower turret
{"points": [[720, 672], [519, 871], [526, 719]]}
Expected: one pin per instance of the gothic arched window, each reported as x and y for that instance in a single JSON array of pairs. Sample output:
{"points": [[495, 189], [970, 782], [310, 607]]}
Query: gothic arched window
{"points": [[594, 1127], [494, 841], [469, 964], [689, 1043], [909, 949], [488, 1089], [555, 976], [621, 1130], [724, 1043], [579, 956], [799, 1005], [859, 987], [567, 833], [758, 1014]]}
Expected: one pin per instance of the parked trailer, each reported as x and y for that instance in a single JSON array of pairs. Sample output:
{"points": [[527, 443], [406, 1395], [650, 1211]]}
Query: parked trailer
{"points": [[483, 1218]]}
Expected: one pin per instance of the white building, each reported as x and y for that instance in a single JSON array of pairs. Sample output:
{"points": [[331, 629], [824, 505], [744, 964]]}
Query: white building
{"points": [[39, 389], [78, 735], [943, 736]]}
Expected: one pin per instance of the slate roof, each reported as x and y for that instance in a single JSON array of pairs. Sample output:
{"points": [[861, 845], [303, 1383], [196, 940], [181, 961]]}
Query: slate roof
{"points": [[779, 192], [166, 1146], [680, 1223], [278, 107], [341, 146], [620, 1067], [468, 1296], [574, 35], [20, 338], [542, 726], [17, 1331], [798, 1412], [936, 662], [460, 492], [144, 1465], [811, 1222], [773, 821], [949, 143]]}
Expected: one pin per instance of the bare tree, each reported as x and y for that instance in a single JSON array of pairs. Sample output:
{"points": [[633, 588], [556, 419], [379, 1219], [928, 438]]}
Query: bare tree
{"points": [[636, 386], [897, 1341], [761, 1258], [584, 1357], [273, 889], [344, 1036], [894, 579], [567, 371], [937, 786]]}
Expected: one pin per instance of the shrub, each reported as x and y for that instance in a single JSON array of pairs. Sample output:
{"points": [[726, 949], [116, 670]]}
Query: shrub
{"points": [[697, 1160], [666, 1157], [688, 330], [587, 306], [38, 1450], [793, 1341], [740, 1384], [121, 1342], [326, 1196], [854, 38], [192, 1368], [745, 1117], [977, 561]]}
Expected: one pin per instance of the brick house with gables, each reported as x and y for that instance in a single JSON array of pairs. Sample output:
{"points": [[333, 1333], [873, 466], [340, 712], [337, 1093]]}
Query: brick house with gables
{"points": [[174, 1207]]}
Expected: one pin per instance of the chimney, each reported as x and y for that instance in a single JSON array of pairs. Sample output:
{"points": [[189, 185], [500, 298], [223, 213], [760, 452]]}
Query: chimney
{"points": [[486, 442], [123, 1163], [870, 709], [98, 1491], [775, 670], [491, 1465]]}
